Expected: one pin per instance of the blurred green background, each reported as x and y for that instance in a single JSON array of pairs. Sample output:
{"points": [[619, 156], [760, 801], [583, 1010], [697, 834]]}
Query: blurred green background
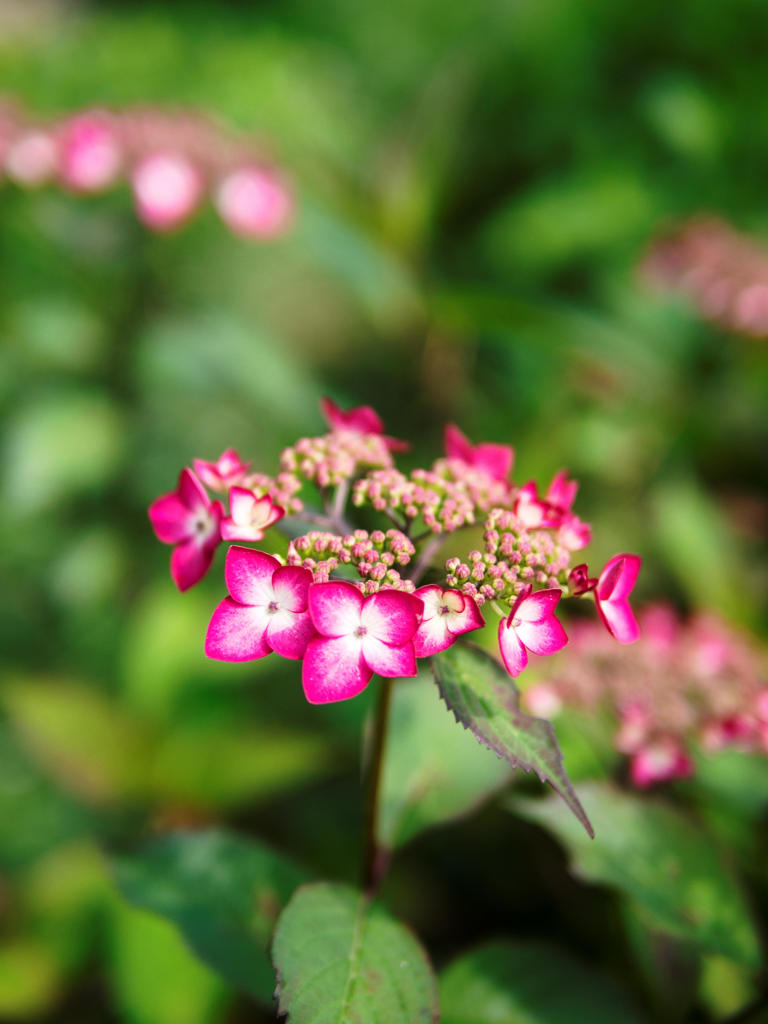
{"points": [[477, 184]]}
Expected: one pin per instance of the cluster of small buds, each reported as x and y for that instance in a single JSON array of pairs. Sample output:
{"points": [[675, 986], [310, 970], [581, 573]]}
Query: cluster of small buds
{"points": [[282, 489], [695, 684], [333, 458], [482, 491], [723, 272], [440, 505], [171, 160], [374, 555]]}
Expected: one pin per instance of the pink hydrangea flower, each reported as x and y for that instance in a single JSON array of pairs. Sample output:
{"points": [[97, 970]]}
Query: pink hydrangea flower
{"points": [[447, 614], [357, 636], [188, 519], [90, 155], [167, 188], [363, 419], [661, 761], [531, 626], [227, 471], [612, 597], [249, 516], [543, 700], [31, 159], [495, 460], [254, 203], [266, 609]]}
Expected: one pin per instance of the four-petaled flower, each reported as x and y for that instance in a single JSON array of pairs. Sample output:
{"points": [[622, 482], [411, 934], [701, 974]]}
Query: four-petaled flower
{"points": [[363, 419], [227, 471], [531, 626], [495, 460], [266, 609], [188, 519], [357, 636], [447, 614], [612, 597], [249, 516]]}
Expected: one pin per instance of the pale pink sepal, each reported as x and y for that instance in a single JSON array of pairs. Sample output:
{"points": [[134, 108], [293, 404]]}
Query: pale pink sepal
{"points": [[612, 597], [227, 471], [531, 626], [249, 516], [495, 460], [447, 614]]}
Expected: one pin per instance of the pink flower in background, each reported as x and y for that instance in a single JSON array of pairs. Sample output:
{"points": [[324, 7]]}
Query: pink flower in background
{"points": [[543, 700], [447, 614], [254, 202], [357, 637], [531, 626], [612, 597], [31, 158], [363, 419], [167, 188], [266, 609], [249, 516], [661, 761], [227, 471], [90, 153], [495, 460], [189, 520]]}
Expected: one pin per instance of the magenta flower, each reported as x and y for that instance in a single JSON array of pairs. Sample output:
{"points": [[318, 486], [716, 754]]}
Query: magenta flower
{"points": [[363, 419], [254, 203], [612, 597], [188, 519], [266, 609], [227, 471], [531, 626], [534, 512], [357, 637], [660, 761], [167, 189], [447, 614], [495, 460], [249, 516]]}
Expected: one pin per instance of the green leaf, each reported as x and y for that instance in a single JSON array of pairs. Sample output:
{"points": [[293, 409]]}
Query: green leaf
{"points": [[485, 700], [433, 771], [222, 892], [342, 960], [529, 983], [659, 859]]}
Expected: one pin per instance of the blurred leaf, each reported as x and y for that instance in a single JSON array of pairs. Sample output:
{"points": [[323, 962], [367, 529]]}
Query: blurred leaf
{"points": [[222, 892], [29, 980], [56, 333], [658, 858], [485, 700], [684, 116], [154, 978], [725, 987], [342, 959], [90, 568], [433, 771], [529, 983], [57, 445]]}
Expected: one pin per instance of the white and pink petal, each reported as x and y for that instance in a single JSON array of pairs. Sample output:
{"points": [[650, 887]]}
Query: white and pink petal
{"points": [[334, 669]]}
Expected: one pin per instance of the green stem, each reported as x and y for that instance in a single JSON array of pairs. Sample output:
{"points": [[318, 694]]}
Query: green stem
{"points": [[376, 858]]}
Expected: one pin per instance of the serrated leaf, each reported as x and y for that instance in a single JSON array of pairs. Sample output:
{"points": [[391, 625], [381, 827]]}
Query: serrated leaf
{"points": [[343, 960], [222, 892], [529, 983], [659, 859], [433, 771], [485, 700]]}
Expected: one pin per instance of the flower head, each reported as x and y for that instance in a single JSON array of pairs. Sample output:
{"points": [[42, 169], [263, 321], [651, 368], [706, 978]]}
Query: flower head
{"points": [[254, 203], [612, 597], [90, 153], [447, 614], [189, 520], [266, 609], [495, 460], [661, 761], [227, 471], [357, 636], [167, 188], [531, 626], [249, 516]]}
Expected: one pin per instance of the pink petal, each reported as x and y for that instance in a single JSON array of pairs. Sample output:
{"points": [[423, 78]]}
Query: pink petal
{"points": [[191, 492], [288, 633], [190, 562], [432, 636], [513, 654], [363, 418], [392, 662], [562, 491], [335, 607], [231, 530], [241, 504], [291, 586], [236, 632], [618, 618], [493, 459], [457, 445], [248, 575], [170, 519], [544, 637], [537, 606], [466, 620], [618, 577], [392, 616], [334, 668]]}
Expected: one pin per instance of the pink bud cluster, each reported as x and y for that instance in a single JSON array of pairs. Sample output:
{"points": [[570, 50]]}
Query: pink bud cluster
{"points": [[696, 684], [347, 601], [373, 556], [723, 272], [172, 161]]}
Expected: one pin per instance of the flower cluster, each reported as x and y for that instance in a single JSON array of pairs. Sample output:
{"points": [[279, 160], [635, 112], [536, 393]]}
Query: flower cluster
{"points": [[690, 684], [723, 272], [172, 162], [350, 602]]}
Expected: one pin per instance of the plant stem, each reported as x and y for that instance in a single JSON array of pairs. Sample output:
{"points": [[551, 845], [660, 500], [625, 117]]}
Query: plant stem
{"points": [[428, 552], [376, 858]]}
